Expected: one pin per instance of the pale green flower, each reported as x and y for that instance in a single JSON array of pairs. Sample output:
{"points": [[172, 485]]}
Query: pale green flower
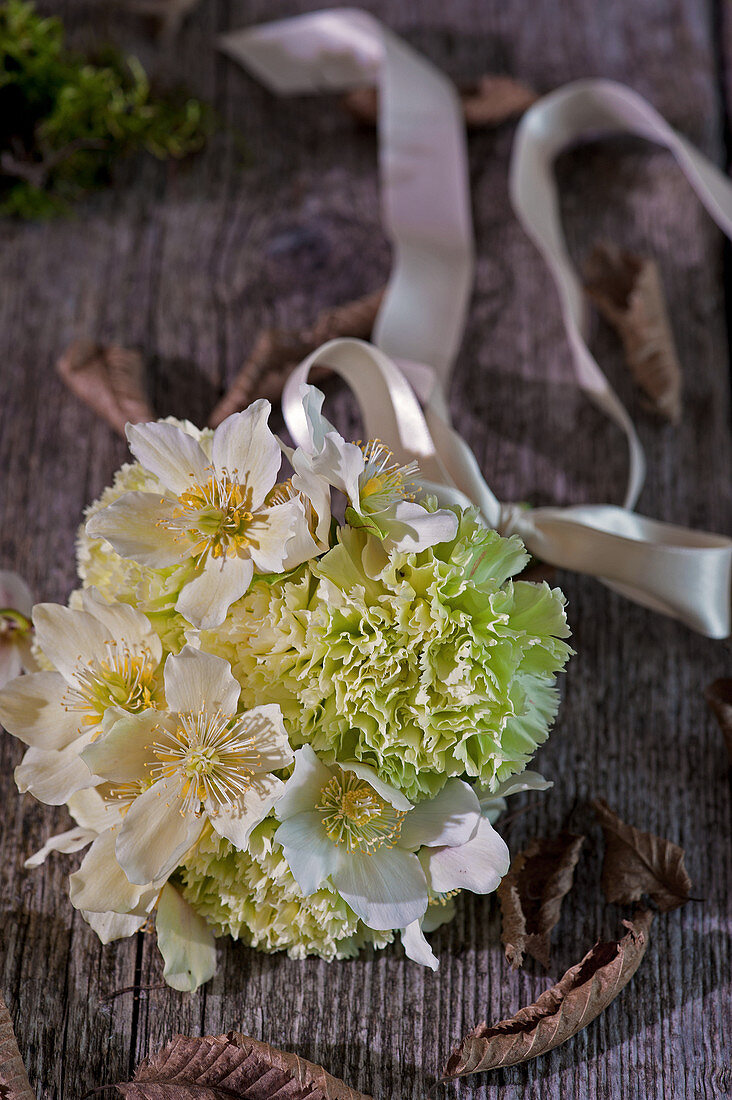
{"points": [[423, 666], [253, 897]]}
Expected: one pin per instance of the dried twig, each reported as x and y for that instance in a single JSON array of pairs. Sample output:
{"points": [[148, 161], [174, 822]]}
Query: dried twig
{"points": [[276, 353], [627, 290]]}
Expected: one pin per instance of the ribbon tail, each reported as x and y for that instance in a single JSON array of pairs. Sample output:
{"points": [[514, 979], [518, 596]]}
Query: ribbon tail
{"points": [[681, 573]]}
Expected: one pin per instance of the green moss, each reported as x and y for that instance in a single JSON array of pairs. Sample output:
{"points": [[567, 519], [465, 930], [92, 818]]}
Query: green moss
{"points": [[65, 120]]}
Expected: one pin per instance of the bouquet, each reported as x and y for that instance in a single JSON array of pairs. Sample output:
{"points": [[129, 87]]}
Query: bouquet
{"points": [[283, 710]]}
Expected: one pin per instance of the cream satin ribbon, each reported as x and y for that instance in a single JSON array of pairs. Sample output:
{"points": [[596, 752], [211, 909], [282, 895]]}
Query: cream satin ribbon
{"points": [[682, 573]]}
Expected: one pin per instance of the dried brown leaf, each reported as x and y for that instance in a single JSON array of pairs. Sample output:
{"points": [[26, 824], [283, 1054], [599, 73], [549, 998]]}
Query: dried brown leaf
{"points": [[108, 378], [627, 290], [719, 697], [488, 101], [560, 1012], [222, 1067], [531, 895], [638, 863], [276, 354], [169, 14], [14, 1083]]}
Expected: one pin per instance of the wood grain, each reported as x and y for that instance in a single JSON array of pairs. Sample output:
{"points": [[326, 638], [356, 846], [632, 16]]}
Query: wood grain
{"points": [[188, 264]]}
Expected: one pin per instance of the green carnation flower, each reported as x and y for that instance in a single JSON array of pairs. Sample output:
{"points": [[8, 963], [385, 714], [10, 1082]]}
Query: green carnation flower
{"points": [[422, 665], [253, 897]]}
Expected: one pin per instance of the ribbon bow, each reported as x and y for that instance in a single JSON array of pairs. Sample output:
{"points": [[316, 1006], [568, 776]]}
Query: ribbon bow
{"points": [[426, 207]]}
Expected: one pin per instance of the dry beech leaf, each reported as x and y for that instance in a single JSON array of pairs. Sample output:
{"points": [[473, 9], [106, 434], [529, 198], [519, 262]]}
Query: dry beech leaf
{"points": [[719, 697], [560, 1012], [627, 290], [169, 14], [531, 895], [276, 354], [488, 101], [638, 863], [225, 1067], [108, 378], [14, 1083]]}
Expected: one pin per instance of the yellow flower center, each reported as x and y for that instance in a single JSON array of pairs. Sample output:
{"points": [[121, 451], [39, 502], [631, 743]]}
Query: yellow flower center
{"points": [[356, 815], [383, 481], [120, 678], [13, 625], [216, 517], [214, 756]]}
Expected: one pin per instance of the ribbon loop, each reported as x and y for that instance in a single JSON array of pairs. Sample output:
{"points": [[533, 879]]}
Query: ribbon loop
{"points": [[426, 207]]}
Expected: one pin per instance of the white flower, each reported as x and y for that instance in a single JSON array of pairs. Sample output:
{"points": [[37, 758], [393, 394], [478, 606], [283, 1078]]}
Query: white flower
{"points": [[341, 822], [477, 865], [195, 762], [106, 655], [115, 908], [16, 604], [378, 488], [215, 513]]}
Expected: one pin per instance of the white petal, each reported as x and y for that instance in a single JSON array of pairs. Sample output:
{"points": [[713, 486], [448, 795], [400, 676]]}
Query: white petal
{"points": [[318, 426], [265, 724], [71, 841], [416, 946], [100, 885], [134, 526], [478, 865], [156, 834], [340, 463], [409, 527], [246, 449], [125, 623], [123, 752], [90, 811], [317, 491], [272, 533], [11, 664], [386, 888], [451, 817], [302, 790], [32, 709], [437, 914], [205, 600], [308, 850], [52, 777], [169, 453], [15, 595], [387, 792], [196, 681], [236, 822], [113, 926], [69, 638], [185, 941]]}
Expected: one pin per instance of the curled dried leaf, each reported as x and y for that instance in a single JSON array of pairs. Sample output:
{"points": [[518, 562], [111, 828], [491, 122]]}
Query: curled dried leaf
{"points": [[488, 101], [14, 1083], [108, 378], [638, 863], [531, 895], [719, 698], [627, 290], [222, 1067], [276, 354], [560, 1012]]}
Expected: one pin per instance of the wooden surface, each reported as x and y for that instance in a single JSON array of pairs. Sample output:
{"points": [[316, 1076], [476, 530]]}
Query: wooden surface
{"points": [[187, 264]]}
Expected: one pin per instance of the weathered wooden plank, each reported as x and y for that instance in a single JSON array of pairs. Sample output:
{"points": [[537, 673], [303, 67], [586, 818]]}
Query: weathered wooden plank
{"points": [[189, 265]]}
